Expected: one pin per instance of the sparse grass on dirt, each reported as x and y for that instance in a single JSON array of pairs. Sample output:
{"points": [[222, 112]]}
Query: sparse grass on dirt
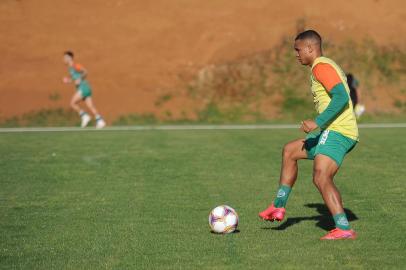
{"points": [[44, 118], [275, 77]]}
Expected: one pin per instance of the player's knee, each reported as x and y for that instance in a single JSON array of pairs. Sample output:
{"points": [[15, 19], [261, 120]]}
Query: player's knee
{"points": [[287, 151], [319, 177]]}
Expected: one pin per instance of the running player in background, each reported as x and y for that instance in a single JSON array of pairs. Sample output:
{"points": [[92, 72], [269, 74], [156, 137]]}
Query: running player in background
{"points": [[355, 95], [338, 135], [78, 76]]}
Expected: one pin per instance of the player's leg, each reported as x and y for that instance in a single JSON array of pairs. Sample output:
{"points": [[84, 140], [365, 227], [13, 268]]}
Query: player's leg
{"points": [[99, 120], [325, 168], [292, 152], [74, 103], [89, 103], [329, 155], [87, 96]]}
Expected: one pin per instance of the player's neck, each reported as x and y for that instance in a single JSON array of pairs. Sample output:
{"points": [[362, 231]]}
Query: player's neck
{"points": [[314, 58]]}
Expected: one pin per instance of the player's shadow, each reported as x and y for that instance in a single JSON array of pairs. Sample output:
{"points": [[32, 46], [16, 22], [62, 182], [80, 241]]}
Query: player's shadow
{"points": [[324, 218]]}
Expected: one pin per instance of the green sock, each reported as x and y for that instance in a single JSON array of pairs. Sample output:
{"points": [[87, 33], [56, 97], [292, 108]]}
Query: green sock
{"points": [[282, 196], [341, 221]]}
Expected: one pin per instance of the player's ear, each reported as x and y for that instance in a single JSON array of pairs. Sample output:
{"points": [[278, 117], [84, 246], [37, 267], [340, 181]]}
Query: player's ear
{"points": [[310, 47]]}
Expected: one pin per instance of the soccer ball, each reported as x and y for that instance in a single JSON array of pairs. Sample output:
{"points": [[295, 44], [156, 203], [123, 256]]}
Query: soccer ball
{"points": [[223, 219]]}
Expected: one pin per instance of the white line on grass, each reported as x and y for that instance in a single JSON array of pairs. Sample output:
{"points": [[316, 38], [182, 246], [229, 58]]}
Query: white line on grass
{"points": [[181, 127]]}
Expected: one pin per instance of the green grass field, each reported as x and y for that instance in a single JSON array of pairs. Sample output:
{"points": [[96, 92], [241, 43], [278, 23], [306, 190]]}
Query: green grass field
{"points": [[140, 200]]}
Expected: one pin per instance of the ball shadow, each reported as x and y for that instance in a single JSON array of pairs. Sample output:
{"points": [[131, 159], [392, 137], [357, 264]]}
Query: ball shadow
{"points": [[234, 232]]}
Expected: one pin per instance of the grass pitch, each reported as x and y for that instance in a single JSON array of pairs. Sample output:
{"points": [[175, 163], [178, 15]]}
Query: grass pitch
{"points": [[140, 200]]}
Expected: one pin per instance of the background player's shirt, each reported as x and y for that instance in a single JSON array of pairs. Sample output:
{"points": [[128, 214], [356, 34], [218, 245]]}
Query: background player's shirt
{"points": [[353, 84], [76, 73], [325, 75]]}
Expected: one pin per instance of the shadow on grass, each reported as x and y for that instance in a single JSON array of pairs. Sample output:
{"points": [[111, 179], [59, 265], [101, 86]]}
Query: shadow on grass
{"points": [[234, 232], [324, 218]]}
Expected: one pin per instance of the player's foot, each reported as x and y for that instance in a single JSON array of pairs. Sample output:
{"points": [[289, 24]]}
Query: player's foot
{"points": [[85, 120], [338, 234], [273, 213], [100, 123]]}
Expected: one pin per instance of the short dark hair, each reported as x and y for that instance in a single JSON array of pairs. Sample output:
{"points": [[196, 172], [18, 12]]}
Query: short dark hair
{"points": [[309, 34], [69, 53]]}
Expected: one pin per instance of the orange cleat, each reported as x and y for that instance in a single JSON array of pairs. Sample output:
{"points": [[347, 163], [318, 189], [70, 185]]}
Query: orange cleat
{"points": [[273, 213], [339, 234]]}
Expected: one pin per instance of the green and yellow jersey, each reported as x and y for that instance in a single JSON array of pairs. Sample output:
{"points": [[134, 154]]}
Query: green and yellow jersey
{"points": [[75, 72], [327, 81]]}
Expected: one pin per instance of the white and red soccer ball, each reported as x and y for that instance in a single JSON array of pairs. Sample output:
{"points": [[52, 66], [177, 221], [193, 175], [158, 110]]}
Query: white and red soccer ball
{"points": [[223, 219]]}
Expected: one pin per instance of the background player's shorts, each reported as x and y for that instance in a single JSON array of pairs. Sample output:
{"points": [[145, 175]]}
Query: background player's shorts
{"points": [[85, 90], [329, 143]]}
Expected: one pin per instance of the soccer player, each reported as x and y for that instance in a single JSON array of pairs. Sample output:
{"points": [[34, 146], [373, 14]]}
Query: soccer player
{"points": [[78, 76], [353, 85], [355, 95], [338, 135]]}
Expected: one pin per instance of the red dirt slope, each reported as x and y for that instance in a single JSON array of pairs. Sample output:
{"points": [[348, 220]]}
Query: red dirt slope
{"points": [[134, 50]]}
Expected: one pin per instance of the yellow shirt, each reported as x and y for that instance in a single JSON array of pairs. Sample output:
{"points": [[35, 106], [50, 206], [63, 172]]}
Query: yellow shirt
{"points": [[345, 123]]}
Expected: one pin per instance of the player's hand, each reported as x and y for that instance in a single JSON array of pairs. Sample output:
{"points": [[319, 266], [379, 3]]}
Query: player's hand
{"points": [[78, 81], [308, 126], [66, 80]]}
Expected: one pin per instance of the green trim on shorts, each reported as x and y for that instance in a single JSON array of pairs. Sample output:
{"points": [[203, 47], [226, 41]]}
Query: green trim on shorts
{"points": [[329, 143], [85, 90]]}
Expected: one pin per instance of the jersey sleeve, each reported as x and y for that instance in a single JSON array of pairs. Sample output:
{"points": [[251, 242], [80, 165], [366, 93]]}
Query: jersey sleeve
{"points": [[339, 99], [78, 67], [326, 75]]}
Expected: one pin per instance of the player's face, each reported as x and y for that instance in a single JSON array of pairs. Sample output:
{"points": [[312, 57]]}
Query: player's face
{"points": [[67, 59], [303, 52]]}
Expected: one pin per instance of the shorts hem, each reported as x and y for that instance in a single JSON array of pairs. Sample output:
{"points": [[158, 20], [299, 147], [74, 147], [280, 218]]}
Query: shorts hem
{"points": [[330, 156]]}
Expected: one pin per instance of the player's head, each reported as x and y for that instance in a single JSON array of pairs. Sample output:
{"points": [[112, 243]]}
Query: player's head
{"points": [[68, 57], [308, 46]]}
